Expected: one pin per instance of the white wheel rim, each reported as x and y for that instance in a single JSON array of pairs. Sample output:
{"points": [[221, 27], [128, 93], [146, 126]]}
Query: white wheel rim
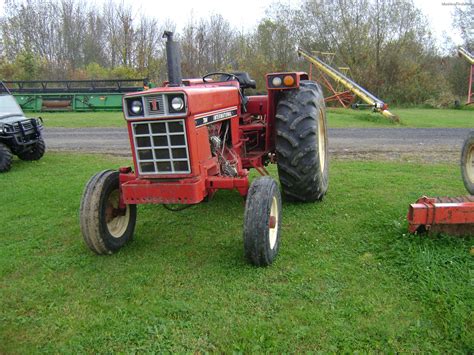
{"points": [[117, 225], [470, 164], [321, 140], [273, 231]]}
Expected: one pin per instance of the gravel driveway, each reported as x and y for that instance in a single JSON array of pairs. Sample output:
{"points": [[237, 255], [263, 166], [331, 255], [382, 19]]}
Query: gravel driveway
{"points": [[408, 144]]}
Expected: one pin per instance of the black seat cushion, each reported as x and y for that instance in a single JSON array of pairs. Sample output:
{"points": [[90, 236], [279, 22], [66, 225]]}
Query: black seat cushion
{"points": [[245, 80]]}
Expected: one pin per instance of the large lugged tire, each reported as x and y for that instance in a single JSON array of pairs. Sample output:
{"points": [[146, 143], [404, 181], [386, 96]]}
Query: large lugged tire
{"points": [[262, 222], [104, 226], [301, 143], [36, 152], [6, 158], [467, 163]]}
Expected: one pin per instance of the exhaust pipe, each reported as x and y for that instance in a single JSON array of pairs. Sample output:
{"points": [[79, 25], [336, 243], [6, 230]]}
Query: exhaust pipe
{"points": [[173, 60]]}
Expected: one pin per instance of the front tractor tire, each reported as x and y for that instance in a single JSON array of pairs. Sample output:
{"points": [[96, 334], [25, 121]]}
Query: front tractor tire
{"points": [[301, 143], [105, 227], [6, 158], [36, 152], [467, 163], [262, 222]]}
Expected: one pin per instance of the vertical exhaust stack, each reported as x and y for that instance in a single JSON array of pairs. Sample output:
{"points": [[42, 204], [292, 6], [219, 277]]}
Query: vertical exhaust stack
{"points": [[173, 60]]}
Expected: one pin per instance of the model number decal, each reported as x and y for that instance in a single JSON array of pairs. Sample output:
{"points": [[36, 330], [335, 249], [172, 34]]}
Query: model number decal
{"points": [[215, 118]]}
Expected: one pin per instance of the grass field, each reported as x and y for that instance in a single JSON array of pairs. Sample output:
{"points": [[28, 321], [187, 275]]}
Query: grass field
{"points": [[409, 117], [82, 119], [337, 118], [348, 276]]}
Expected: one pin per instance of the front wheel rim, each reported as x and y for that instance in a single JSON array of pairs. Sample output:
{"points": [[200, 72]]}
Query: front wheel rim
{"points": [[116, 221], [321, 140], [470, 164], [273, 223]]}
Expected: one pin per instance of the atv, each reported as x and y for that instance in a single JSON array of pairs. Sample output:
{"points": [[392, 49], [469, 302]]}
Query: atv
{"points": [[19, 135]]}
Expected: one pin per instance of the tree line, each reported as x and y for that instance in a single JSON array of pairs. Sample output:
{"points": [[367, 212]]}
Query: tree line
{"points": [[386, 43]]}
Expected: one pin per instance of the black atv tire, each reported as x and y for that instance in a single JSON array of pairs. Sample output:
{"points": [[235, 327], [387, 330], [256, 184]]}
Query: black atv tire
{"points": [[36, 152], [301, 143], [104, 227], [467, 163], [6, 158], [262, 222]]}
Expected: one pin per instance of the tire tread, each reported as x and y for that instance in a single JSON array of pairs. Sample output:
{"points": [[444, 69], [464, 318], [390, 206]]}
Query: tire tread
{"points": [[297, 123], [34, 153], [89, 213], [6, 158]]}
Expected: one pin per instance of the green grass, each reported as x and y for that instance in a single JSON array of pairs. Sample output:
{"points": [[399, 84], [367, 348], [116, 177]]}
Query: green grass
{"points": [[417, 117], [348, 118], [348, 276], [337, 118], [82, 119], [409, 117]]}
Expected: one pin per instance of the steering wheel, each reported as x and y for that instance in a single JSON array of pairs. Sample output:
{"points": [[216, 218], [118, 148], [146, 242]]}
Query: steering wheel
{"points": [[227, 77]]}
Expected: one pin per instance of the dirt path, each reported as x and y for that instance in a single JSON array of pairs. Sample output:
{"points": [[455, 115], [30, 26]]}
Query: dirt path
{"points": [[428, 145], [405, 144]]}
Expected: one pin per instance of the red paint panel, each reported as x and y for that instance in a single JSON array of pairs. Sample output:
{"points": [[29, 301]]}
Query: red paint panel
{"points": [[209, 98], [257, 105], [185, 191], [427, 212]]}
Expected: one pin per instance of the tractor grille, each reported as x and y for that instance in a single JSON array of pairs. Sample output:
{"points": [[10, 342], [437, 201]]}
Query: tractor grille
{"points": [[155, 105], [161, 147]]}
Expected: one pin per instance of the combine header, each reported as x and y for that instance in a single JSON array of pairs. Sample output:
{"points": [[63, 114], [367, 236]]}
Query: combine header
{"points": [[470, 58], [450, 215], [351, 87], [73, 95]]}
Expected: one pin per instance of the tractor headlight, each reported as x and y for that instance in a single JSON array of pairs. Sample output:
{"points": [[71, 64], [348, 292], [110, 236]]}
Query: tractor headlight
{"points": [[136, 107], [276, 81], [177, 103]]}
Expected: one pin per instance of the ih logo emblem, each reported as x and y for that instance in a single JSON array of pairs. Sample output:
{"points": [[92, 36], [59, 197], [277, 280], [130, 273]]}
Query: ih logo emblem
{"points": [[154, 106]]}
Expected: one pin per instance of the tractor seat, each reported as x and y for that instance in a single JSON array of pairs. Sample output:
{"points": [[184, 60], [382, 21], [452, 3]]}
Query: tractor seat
{"points": [[244, 80]]}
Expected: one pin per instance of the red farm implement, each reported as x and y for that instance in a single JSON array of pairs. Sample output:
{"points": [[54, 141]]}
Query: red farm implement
{"points": [[450, 215], [193, 137]]}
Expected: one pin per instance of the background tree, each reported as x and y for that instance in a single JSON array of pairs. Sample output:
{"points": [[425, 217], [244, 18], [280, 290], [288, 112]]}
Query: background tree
{"points": [[386, 43], [463, 20]]}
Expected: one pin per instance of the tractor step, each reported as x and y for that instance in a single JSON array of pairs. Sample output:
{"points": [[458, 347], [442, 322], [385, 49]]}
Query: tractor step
{"points": [[450, 215]]}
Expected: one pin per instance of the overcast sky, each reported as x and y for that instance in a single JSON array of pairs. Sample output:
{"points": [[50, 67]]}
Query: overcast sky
{"points": [[244, 14]]}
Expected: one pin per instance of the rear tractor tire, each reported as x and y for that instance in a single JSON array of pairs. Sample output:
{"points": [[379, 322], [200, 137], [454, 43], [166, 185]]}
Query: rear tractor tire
{"points": [[105, 227], [262, 222], [36, 152], [467, 163], [6, 158], [301, 143]]}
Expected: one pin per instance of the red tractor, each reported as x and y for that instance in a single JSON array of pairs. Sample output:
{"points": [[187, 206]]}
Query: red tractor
{"points": [[192, 137]]}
